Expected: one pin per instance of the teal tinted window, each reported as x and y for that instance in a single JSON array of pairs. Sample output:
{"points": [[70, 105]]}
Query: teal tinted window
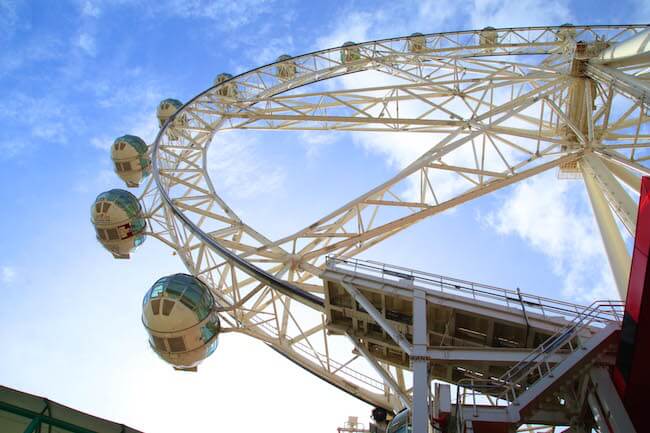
{"points": [[157, 290], [126, 201], [192, 297], [207, 333], [174, 102], [134, 141], [190, 291], [399, 424]]}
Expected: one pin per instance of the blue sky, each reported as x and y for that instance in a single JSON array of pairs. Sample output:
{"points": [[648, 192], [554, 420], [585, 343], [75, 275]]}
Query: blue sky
{"points": [[76, 74]]}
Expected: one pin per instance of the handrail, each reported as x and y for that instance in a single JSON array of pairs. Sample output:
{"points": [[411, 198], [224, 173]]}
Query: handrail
{"points": [[512, 383], [538, 358], [546, 307]]}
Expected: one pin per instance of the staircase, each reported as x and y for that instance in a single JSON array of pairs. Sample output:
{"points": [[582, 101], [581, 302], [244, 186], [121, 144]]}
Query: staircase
{"points": [[489, 405]]}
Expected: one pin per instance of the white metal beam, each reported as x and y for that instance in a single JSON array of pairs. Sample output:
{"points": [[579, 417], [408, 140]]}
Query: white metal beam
{"points": [[623, 82], [377, 317], [624, 174], [397, 390], [619, 259], [632, 51], [614, 411], [620, 201], [420, 364]]}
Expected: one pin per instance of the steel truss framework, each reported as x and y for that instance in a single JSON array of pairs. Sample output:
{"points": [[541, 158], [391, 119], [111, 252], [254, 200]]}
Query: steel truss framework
{"points": [[532, 100]]}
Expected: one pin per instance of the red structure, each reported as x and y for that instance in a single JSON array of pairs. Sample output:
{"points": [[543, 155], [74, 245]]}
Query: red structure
{"points": [[631, 371]]}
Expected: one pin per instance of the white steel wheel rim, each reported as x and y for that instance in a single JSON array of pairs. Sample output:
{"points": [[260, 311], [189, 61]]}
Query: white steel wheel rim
{"points": [[186, 213]]}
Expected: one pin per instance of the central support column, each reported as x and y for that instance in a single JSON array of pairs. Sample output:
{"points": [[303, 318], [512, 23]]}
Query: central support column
{"points": [[619, 259], [419, 363], [619, 200]]}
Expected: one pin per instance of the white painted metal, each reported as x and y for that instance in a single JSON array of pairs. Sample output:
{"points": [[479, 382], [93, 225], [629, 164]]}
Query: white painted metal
{"points": [[379, 318], [420, 364], [405, 400], [608, 400], [619, 258], [624, 174], [506, 104], [618, 199], [633, 51], [513, 398]]}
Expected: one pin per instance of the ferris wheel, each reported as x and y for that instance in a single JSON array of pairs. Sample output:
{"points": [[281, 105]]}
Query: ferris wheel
{"points": [[498, 107]]}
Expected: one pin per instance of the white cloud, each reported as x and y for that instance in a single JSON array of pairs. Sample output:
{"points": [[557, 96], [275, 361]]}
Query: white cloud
{"points": [[136, 102], [513, 13], [551, 216], [45, 117], [237, 170], [538, 211], [11, 148], [390, 20], [86, 42], [91, 9], [269, 50], [40, 49], [8, 17], [7, 274], [228, 14], [314, 142]]}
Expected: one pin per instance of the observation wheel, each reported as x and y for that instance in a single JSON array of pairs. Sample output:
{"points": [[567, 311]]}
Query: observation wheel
{"points": [[497, 105]]}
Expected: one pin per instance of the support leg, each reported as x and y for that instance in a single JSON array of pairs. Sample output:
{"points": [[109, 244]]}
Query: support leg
{"points": [[420, 364], [619, 259]]}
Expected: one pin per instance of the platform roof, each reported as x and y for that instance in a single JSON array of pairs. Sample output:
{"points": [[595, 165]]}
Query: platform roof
{"points": [[21, 412]]}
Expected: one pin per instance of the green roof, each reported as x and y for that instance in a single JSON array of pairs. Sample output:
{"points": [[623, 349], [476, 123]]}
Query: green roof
{"points": [[21, 412]]}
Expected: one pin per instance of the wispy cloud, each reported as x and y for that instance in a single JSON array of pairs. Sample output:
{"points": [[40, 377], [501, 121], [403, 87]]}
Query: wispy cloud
{"points": [[7, 274], [391, 20], [545, 213], [87, 43], [137, 103], [314, 142], [45, 117], [238, 170], [228, 14], [90, 8], [512, 13], [551, 216], [271, 49], [41, 48], [8, 17]]}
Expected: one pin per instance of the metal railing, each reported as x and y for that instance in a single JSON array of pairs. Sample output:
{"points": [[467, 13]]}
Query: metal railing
{"points": [[569, 337], [513, 299], [515, 381]]}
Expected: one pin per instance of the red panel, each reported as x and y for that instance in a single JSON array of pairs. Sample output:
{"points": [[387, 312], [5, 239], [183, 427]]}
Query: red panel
{"points": [[631, 374], [635, 288], [490, 427]]}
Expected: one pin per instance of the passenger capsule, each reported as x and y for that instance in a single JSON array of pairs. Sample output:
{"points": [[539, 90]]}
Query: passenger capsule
{"points": [[166, 109], [132, 164], [119, 222], [488, 37], [417, 42], [178, 313], [567, 32], [350, 52], [226, 88], [286, 68]]}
